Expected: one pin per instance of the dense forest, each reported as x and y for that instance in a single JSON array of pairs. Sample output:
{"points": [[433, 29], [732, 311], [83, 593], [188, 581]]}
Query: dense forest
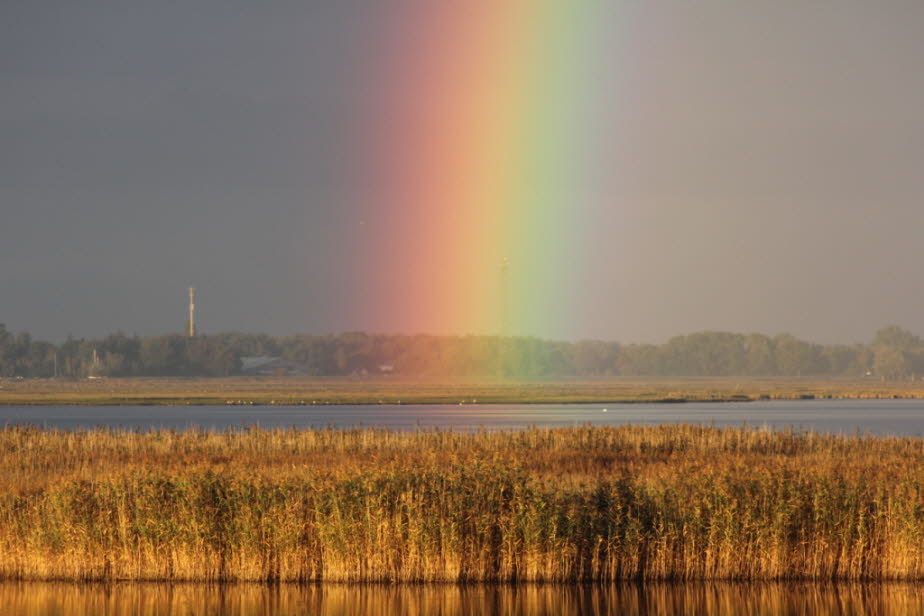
{"points": [[894, 353]]}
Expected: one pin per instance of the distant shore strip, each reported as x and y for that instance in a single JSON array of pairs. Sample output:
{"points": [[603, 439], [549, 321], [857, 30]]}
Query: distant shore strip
{"points": [[308, 392]]}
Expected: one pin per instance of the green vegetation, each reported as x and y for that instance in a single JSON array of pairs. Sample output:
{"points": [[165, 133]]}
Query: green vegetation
{"points": [[894, 354], [580, 504]]}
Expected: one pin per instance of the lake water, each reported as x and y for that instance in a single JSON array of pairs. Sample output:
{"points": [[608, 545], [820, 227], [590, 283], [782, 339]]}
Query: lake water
{"points": [[901, 417], [39, 599]]}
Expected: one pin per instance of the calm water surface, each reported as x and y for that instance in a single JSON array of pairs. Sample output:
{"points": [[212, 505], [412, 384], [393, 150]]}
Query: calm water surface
{"points": [[162, 600], [902, 417]]}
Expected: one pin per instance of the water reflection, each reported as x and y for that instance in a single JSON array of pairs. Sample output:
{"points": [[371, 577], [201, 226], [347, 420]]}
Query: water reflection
{"points": [[344, 600]]}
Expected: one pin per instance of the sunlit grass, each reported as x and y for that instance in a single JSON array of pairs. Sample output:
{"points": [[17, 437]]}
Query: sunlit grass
{"points": [[668, 502]]}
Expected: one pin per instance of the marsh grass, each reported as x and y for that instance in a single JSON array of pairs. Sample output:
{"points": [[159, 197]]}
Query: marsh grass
{"points": [[308, 391], [672, 502]]}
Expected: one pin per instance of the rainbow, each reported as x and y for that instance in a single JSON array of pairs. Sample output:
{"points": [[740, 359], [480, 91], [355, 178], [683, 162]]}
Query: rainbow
{"points": [[485, 150]]}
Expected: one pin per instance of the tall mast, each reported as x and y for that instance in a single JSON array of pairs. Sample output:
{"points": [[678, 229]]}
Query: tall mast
{"points": [[504, 308], [191, 321]]}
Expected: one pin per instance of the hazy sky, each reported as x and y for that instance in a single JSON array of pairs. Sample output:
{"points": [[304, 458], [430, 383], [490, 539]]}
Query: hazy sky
{"points": [[769, 155]]}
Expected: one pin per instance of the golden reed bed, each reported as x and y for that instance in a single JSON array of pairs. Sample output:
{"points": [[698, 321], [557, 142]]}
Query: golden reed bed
{"points": [[576, 504]]}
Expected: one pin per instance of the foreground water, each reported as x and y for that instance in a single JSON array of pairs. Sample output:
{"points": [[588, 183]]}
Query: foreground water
{"points": [[900, 417], [715, 598]]}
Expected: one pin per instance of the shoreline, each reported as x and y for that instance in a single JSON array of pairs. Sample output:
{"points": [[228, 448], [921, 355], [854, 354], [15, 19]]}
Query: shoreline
{"points": [[178, 402], [296, 391], [425, 402]]}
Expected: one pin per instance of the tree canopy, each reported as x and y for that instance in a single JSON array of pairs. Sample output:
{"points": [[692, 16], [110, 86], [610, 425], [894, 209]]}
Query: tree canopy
{"points": [[894, 353]]}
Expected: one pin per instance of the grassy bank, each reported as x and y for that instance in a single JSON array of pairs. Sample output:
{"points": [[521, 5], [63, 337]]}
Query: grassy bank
{"points": [[668, 502], [306, 391]]}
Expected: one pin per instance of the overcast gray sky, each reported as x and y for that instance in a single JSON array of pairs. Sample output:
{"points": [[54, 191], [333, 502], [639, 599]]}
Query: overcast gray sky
{"points": [[770, 163]]}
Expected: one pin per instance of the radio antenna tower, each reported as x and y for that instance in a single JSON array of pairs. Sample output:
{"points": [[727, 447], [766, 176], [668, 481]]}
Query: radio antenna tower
{"points": [[191, 321], [501, 342], [505, 266]]}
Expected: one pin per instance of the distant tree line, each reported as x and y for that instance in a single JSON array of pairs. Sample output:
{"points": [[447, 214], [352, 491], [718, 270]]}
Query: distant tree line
{"points": [[894, 353]]}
